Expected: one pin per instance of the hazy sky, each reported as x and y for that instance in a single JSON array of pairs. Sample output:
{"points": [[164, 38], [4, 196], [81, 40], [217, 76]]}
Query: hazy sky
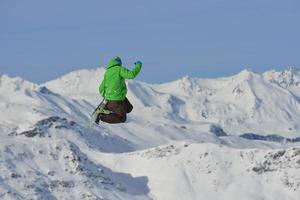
{"points": [[42, 40]]}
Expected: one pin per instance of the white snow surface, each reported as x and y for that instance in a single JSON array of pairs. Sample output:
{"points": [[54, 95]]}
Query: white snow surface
{"points": [[226, 138]]}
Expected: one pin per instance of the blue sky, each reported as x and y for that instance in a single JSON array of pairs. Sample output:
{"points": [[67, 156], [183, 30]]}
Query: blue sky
{"points": [[42, 40]]}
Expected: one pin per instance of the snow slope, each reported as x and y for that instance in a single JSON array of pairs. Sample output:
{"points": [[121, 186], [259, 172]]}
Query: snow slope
{"points": [[192, 138], [197, 171]]}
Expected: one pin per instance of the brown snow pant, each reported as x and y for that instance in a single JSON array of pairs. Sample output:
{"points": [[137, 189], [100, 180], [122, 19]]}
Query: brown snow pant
{"points": [[120, 109]]}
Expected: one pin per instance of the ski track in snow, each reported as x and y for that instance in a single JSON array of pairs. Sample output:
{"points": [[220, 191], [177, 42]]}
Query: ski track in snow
{"points": [[226, 138]]}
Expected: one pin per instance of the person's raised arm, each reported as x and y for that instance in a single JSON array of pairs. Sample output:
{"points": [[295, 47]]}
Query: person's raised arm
{"points": [[131, 74]]}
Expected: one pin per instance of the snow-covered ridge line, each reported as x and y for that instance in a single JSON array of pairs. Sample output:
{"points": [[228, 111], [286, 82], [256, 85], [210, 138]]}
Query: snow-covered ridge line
{"points": [[246, 102], [15, 83], [286, 77]]}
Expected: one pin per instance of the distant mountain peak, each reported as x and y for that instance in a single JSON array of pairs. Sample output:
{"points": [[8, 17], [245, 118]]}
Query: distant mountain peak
{"points": [[292, 69], [245, 75], [76, 82], [15, 83], [289, 77]]}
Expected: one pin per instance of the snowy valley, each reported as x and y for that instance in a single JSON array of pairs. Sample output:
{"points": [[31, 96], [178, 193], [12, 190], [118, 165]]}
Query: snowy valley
{"points": [[229, 138]]}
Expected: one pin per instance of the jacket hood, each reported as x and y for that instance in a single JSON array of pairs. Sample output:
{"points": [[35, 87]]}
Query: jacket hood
{"points": [[115, 61]]}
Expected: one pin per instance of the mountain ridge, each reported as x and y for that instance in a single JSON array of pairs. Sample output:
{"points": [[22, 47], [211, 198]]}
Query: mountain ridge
{"points": [[240, 100]]}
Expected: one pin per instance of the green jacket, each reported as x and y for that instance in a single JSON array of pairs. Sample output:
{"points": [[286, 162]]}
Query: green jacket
{"points": [[113, 86]]}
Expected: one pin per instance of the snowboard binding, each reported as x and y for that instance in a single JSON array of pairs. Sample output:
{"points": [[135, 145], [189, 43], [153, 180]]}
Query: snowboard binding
{"points": [[100, 110]]}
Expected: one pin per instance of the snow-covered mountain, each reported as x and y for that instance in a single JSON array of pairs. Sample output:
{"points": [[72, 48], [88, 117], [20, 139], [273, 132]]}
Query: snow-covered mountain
{"points": [[226, 138], [246, 102]]}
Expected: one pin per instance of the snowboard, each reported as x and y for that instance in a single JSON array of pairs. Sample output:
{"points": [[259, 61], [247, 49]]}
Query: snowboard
{"points": [[93, 116]]}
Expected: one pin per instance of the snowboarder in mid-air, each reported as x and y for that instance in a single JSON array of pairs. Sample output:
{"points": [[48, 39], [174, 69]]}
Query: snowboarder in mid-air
{"points": [[113, 89]]}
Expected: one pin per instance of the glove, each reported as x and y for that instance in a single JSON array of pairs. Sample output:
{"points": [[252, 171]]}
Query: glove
{"points": [[138, 63]]}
